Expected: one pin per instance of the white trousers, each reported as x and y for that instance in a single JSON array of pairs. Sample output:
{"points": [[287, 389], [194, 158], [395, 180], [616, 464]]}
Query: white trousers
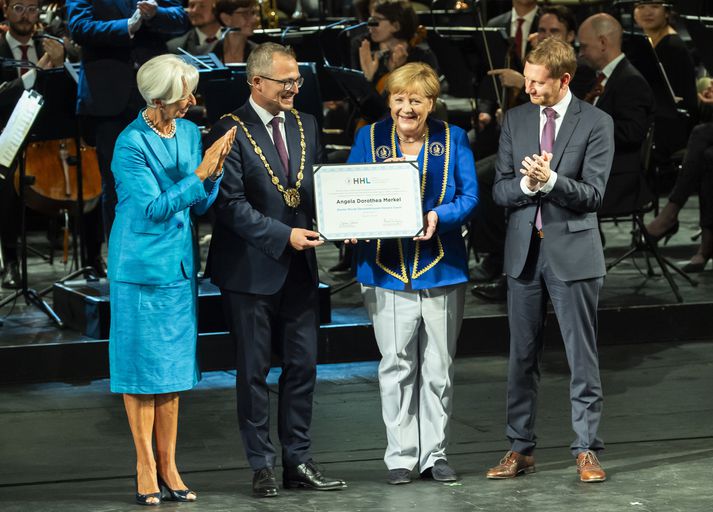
{"points": [[416, 332]]}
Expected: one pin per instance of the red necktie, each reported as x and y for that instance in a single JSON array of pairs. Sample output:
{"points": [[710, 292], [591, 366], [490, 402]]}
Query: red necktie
{"points": [[518, 38], [547, 142], [24, 56], [211, 39], [280, 145], [596, 90]]}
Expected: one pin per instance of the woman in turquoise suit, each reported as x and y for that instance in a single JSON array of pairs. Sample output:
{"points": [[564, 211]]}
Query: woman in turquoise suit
{"points": [[414, 288], [160, 179]]}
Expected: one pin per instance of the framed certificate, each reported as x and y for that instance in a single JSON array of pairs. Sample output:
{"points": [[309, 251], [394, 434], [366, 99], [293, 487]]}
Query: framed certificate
{"points": [[368, 201]]}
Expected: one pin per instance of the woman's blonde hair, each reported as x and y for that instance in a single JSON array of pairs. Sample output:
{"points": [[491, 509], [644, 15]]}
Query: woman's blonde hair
{"points": [[167, 78], [414, 77]]}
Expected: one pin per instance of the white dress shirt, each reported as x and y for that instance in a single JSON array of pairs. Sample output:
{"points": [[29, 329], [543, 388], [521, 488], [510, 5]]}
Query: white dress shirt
{"points": [[28, 79], [266, 118], [528, 18], [561, 109]]}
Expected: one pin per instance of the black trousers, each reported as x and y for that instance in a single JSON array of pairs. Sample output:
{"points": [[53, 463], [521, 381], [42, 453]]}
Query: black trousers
{"points": [[287, 320], [9, 218], [697, 173]]}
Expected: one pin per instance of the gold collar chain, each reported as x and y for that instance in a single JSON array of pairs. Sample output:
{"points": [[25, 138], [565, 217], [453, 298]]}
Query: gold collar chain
{"points": [[291, 195]]}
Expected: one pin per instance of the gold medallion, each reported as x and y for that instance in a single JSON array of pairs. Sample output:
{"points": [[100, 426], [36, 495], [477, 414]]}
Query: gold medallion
{"points": [[292, 197]]}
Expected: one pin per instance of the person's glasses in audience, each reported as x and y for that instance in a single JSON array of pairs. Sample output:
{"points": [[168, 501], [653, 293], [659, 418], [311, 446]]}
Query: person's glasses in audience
{"points": [[20, 9], [246, 12]]}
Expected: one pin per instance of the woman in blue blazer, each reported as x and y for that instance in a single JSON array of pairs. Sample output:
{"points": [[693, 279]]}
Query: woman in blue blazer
{"points": [[414, 288], [160, 179]]}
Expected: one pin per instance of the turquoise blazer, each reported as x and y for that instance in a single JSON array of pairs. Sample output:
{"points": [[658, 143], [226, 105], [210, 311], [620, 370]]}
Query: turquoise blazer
{"points": [[151, 240], [452, 192]]}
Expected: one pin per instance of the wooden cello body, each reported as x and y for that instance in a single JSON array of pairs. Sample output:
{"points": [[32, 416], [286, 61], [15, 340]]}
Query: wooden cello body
{"points": [[53, 171]]}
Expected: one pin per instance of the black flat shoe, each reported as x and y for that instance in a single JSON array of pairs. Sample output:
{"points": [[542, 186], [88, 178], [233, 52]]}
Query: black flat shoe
{"points": [[143, 499], [175, 495], [695, 267]]}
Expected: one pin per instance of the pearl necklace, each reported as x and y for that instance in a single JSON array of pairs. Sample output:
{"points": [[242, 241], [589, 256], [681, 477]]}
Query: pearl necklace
{"points": [[171, 130]]}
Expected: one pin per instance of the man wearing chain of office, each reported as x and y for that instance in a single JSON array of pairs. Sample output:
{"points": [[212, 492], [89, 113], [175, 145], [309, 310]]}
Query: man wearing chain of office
{"points": [[262, 256]]}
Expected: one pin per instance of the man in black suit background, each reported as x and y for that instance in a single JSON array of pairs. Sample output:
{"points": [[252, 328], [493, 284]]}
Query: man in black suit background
{"points": [[116, 36], [205, 31], [262, 257], [17, 44], [623, 93]]}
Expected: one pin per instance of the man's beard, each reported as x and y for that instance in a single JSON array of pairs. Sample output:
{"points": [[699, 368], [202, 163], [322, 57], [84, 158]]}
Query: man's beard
{"points": [[22, 28]]}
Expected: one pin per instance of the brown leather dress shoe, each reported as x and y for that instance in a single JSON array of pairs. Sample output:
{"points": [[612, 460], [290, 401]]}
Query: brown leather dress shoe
{"points": [[589, 468], [511, 465]]}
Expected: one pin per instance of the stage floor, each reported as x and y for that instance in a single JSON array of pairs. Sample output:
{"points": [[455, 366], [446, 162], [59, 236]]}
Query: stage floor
{"points": [[66, 446]]}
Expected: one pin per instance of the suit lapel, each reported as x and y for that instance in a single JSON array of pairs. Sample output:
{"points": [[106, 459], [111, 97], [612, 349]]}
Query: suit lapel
{"points": [[156, 146], [611, 81], [569, 123], [259, 134]]}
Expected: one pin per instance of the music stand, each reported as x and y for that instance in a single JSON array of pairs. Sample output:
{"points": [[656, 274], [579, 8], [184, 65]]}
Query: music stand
{"points": [[701, 31], [642, 55], [30, 295], [209, 67]]}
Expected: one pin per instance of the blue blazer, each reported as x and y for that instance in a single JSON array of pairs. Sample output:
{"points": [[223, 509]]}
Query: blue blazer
{"points": [[110, 57], [151, 240], [459, 201]]}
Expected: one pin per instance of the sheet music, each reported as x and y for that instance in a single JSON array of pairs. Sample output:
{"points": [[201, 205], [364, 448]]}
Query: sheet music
{"points": [[18, 126], [73, 70]]}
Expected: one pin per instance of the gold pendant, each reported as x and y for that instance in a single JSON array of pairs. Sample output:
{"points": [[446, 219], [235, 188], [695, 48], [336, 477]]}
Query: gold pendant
{"points": [[292, 197]]}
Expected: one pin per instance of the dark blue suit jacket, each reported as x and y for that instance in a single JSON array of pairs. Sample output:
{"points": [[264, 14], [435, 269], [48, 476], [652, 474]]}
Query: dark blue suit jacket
{"points": [[249, 250], [110, 57]]}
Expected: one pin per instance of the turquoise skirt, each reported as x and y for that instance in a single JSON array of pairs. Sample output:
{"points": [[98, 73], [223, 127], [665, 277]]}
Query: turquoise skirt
{"points": [[152, 339]]}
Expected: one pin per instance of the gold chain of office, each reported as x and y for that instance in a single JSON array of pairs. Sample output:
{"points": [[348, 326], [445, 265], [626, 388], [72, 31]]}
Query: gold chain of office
{"points": [[290, 195]]}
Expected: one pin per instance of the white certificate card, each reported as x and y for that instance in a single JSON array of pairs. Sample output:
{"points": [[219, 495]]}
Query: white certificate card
{"points": [[368, 201]]}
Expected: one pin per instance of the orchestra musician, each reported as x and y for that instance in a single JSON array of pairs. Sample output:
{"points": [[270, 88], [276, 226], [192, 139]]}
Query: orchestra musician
{"points": [[18, 44]]}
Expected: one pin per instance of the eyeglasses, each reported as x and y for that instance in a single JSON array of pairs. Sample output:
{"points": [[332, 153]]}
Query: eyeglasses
{"points": [[374, 21], [20, 9], [247, 13], [288, 84]]}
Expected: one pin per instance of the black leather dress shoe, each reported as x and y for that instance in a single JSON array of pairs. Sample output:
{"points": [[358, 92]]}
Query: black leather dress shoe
{"points": [[496, 291], [264, 483], [11, 279], [307, 475]]}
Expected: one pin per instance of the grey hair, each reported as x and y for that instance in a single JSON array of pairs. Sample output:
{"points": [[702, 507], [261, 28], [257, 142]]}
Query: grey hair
{"points": [[167, 78], [260, 59]]}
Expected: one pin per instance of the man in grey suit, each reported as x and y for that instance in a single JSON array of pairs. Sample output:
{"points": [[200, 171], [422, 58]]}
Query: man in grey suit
{"points": [[553, 163]]}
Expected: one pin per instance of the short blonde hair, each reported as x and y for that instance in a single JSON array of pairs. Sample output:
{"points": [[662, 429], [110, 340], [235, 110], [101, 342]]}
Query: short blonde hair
{"points": [[556, 55], [414, 77], [167, 78]]}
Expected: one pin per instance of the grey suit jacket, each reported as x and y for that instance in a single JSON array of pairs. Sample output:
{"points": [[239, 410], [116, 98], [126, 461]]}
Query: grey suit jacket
{"points": [[582, 159]]}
